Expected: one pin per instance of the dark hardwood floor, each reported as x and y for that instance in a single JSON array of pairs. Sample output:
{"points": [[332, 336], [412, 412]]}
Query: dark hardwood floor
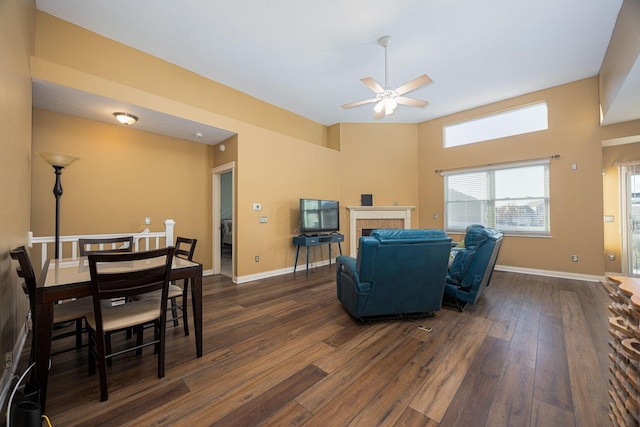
{"points": [[282, 352]]}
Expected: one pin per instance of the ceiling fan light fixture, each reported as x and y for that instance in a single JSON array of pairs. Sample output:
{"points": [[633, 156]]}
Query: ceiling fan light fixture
{"points": [[125, 118], [390, 106], [379, 106]]}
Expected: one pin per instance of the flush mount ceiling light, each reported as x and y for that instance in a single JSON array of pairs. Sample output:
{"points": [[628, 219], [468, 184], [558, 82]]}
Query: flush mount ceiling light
{"points": [[125, 118]]}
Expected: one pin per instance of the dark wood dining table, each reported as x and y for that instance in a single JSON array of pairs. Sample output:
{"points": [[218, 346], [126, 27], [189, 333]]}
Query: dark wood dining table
{"points": [[64, 279]]}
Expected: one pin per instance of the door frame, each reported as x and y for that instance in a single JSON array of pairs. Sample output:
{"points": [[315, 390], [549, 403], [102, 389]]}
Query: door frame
{"points": [[217, 236], [625, 196]]}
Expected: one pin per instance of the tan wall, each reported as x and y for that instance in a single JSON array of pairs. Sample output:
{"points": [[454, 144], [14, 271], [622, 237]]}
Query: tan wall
{"points": [[576, 196], [230, 153], [276, 171], [382, 160], [123, 175], [16, 46]]}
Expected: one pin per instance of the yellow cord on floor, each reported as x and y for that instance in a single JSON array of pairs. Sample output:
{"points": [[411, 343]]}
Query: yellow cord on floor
{"points": [[47, 420]]}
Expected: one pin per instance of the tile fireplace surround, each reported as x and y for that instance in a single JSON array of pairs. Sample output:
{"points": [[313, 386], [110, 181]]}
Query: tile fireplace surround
{"points": [[363, 217]]}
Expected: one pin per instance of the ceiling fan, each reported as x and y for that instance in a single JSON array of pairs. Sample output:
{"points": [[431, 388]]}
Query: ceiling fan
{"points": [[387, 98]]}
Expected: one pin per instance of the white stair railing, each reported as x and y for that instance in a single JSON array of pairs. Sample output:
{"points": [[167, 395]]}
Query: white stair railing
{"points": [[141, 241]]}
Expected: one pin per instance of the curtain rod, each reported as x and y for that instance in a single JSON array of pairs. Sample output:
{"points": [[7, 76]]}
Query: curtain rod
{"points": [[555, 156]]}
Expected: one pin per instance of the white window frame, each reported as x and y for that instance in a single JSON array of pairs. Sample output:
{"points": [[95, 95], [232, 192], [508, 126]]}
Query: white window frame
{"points": [[534, 222], [516, 121]]}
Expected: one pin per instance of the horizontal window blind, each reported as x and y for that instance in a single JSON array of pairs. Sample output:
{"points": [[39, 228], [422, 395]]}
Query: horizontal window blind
{"points": [[513, 198]]}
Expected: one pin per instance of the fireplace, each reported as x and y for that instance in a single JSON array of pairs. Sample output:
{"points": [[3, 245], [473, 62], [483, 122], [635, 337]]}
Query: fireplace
{"points": [[365, 232], [364, 219]]}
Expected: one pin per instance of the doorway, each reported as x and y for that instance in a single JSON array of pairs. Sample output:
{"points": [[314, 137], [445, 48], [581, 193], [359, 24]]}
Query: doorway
{"points": [[224, 224], [630, 213]]}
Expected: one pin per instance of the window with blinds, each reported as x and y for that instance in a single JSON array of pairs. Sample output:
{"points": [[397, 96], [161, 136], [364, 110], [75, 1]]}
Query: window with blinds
{"points": [[513, 199]]}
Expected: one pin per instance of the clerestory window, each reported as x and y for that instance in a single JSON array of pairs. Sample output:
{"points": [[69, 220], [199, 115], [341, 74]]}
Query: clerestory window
{"points": [[530, 118]]}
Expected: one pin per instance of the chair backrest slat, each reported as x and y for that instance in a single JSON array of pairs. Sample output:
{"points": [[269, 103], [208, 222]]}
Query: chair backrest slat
{"points": [[88, 245], [110, 281], [185, 247]]}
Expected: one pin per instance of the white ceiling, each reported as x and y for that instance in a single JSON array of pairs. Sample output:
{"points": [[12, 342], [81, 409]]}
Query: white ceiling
{"points": [[308, 56]]}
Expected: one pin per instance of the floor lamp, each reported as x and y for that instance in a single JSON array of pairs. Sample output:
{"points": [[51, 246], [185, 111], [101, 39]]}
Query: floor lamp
{"points": [[59, 161]]}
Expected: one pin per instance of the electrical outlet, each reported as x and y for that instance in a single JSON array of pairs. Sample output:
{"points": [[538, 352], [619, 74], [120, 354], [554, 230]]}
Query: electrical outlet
{"points": [[574, 258], [147, 220], [8, 360], [257, 258], [263, 220]]}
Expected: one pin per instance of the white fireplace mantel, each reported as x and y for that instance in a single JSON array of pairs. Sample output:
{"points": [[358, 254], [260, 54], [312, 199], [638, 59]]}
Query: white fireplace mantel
{"points": [[375, 212]]}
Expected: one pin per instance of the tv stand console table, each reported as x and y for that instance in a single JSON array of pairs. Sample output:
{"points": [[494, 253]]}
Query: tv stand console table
{"points": [[321, 239]]}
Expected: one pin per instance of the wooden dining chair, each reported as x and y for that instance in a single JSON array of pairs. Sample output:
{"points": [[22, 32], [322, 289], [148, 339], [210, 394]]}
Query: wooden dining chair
{"points": [[185, 248], [66, 311], [113, 244], [107, 245], [123, 275]]}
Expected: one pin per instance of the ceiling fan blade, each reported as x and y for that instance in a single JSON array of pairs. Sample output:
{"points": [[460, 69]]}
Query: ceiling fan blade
{"points": [[378, 114], [411, 102], [355, 104], [414, 84], [372, 84]]}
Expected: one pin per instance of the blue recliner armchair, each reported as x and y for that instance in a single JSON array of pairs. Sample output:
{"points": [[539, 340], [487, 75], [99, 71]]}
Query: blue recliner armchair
{"points": [[472, 266], [398, 273]]}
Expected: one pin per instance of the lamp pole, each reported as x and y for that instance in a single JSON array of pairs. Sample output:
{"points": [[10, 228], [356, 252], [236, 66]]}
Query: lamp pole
{"points": [[58, 161], [57, 193]]}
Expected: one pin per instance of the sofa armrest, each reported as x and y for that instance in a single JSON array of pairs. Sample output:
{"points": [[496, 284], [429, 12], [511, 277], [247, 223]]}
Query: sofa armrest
{"points": [[347, 265], [348, 261]]}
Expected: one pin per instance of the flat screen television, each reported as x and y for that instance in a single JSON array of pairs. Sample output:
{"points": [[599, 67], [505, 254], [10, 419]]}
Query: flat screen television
{"points": [[319, 216]]}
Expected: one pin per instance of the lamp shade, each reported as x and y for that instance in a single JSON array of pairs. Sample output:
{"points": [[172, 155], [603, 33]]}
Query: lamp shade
{"points": [[57, 159]]}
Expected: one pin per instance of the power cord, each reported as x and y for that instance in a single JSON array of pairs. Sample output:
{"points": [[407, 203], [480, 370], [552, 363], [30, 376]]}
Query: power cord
{"points": [[13, 392]]}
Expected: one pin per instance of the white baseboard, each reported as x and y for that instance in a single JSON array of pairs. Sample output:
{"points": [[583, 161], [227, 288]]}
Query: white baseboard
{"points": [[551, 273], [9, 374], [266, 274], [533, 271]]}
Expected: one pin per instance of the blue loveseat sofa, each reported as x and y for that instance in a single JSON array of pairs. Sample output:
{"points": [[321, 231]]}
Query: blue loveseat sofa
{"points": [[398, 272]]}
